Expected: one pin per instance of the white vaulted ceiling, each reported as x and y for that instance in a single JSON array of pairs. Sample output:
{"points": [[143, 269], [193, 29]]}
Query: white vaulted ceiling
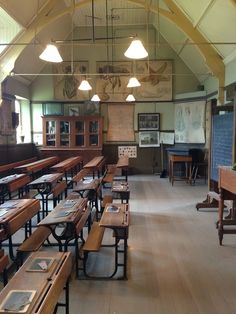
{"points": [[208, 36]]}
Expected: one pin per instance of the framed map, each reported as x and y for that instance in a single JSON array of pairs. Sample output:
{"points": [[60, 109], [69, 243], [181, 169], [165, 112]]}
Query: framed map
{"points": [[156, 80], [190, 122], [111, 84], [67, 77]]}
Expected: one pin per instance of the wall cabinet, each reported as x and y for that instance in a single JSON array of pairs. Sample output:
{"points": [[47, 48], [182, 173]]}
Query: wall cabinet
{"points": [[67, 132]]}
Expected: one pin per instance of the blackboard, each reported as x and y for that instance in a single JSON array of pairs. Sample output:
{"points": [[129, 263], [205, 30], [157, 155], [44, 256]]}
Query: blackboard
{"points": [[221, 142]]}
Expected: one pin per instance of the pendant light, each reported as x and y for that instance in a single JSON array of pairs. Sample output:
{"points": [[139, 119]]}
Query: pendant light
{"points": [[95, 98], [84, 85], [136, 50], [51, 54], [133, 82], [130, 98]]}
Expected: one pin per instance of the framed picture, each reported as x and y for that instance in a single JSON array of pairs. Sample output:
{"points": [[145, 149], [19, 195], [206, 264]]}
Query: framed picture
{"points": [[73, 110], [149, 139], [148, 121]]}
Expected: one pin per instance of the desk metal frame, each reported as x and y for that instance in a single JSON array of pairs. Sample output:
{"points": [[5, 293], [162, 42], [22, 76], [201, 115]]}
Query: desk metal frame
{"points": [[120, 227]]}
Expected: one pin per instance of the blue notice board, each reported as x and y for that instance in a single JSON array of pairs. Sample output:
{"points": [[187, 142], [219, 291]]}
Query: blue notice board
{"points": [[221, 143]]}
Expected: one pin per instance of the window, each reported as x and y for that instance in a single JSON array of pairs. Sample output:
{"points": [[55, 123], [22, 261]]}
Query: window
{"points": [[23, 131]]}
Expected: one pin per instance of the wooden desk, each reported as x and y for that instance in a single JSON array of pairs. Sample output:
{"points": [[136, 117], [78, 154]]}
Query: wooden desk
{"points": [[37, 166], [70, 164], [122, 189], [17, 214], [11, 184], [95, 164], [89, 190], [59, 216], [187, 160], [44, 186], [48, 284], [123, 164], [119, 223], [227, 189], [8, 167]]}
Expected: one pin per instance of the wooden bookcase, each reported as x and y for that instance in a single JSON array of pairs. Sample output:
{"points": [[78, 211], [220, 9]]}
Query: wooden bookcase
{"points": [[72, 135]]}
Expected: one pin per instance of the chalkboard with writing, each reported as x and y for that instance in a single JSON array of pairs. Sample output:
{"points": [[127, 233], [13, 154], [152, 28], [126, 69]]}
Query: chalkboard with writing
{"points": [[221, 143]]}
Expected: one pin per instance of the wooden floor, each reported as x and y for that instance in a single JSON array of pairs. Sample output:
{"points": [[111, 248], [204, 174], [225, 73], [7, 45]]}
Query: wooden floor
{"points": [[175, 262]]}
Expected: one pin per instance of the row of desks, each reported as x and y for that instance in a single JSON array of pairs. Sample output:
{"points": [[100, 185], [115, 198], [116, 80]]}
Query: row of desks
{"points": [[47, 286], [13, 215], [32, 290]]}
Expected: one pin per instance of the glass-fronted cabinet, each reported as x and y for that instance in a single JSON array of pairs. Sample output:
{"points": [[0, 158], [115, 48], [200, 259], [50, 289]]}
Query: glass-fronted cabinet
{"points": [[50, 136], [64, 133], [72, 132], [93, 133], [79, 133]]}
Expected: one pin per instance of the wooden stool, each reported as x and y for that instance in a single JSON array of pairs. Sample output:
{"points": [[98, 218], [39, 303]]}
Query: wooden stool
{"points": [[180, 159]]}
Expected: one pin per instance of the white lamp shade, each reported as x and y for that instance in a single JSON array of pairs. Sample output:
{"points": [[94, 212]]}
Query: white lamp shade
{"points": [[136, 50], [95, 98], [130, 97], [51, 54], [84, 85], [133, 82]]}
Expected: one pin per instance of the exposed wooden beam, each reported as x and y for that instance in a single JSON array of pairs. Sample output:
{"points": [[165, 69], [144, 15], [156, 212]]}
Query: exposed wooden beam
{"points": [[212, 58], [46, 16], [8, 59], [234, 2]]}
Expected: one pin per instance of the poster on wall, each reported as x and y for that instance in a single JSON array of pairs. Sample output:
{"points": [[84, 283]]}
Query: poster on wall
{"points": [[111, 83], [156, 80], [67, 77], [120, 123], [190, 122], [129, 151]]}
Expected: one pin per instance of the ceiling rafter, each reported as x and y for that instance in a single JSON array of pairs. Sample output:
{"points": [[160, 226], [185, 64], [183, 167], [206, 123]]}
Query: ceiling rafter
{"points": [[212, 58], [9, 57], [46, 16]]}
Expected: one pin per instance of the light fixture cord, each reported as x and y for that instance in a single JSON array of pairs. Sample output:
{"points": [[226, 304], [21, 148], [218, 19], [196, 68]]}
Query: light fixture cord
{"points": [[107, 32], [147, 30], [158, 28], [72, 38], [93, 19]]}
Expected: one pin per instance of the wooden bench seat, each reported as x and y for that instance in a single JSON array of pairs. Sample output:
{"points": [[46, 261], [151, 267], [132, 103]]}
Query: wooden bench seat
{"points": [[94, 239], [80, 175], [109, 177], [30, 194], [106, 200], [9, 167], [34, 242], [57, 192], [110, 174], [4, 261]]}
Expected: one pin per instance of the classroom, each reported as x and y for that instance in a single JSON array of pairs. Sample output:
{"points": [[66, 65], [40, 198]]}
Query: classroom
{"points": [[117, 156]]}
